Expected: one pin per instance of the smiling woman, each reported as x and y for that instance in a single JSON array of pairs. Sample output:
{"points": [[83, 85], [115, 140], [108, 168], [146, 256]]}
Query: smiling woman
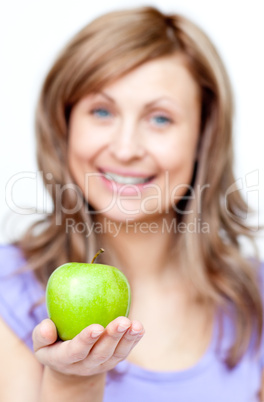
{"points": [[134, 139], [128, 152]]}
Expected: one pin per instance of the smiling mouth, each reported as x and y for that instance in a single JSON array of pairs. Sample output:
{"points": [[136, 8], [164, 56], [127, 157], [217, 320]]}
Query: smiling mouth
{"points": [[127, 179]]}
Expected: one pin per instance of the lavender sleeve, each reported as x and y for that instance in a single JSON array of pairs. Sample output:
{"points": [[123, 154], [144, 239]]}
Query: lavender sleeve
{"points": [[21, 295]]}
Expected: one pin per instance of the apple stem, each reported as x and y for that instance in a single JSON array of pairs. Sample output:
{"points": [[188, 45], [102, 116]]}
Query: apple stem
{"points": [[96, 255]]}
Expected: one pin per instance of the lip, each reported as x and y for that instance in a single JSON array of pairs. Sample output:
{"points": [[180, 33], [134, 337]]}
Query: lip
{"points": [[123, 172], [124, 189]]}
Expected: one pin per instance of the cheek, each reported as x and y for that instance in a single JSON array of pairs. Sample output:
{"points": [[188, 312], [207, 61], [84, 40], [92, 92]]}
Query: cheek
{"points": [[177, 161], [80, 155], [84, 144], [176, 156]]}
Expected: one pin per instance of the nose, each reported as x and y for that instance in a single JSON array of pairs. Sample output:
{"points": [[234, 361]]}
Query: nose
{"points": [[127, 143]]}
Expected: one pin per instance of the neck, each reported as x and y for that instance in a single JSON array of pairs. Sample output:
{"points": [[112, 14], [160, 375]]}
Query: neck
{"points": [[142, 250]]}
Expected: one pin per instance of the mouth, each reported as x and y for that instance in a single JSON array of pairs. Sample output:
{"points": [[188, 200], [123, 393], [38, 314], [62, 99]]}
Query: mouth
{"points": [[131, 179]]}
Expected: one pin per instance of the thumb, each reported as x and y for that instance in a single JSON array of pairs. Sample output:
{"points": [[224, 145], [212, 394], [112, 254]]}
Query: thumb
{"points": [[44, 334]]}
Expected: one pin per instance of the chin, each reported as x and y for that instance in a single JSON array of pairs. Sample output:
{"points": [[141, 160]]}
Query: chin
{"points": [[120, 217]]}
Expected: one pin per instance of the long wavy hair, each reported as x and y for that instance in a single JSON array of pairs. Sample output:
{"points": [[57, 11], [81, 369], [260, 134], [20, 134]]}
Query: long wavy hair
{"points": [[103, 51]]}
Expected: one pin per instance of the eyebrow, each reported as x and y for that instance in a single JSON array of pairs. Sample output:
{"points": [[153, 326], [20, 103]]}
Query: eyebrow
{"points": [[149, 104]]}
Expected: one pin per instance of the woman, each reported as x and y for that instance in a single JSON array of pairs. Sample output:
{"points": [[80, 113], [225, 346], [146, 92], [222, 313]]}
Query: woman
{"points": [[134, 131]]}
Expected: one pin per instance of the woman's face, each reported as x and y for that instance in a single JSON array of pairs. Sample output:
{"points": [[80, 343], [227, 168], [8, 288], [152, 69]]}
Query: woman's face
{"points": [[132, 146]]}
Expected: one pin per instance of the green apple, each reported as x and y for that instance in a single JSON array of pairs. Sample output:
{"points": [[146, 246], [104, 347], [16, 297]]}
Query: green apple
{"points": [[80, 294]]}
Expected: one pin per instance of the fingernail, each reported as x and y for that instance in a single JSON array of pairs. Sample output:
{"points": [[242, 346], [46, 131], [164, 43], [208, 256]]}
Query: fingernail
{"points": [[134, 332], [121, 328], [95, 334]]}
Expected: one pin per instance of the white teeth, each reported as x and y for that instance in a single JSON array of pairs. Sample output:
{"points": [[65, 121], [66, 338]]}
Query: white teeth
{"points": [[126, 179]]}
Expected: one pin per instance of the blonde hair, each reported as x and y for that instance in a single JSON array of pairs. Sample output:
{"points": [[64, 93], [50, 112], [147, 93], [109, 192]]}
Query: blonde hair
{"points": [[107, 48]]}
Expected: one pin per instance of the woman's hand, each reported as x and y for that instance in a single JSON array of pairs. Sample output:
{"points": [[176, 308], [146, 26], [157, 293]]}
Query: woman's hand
{"points": [[95, 350]]}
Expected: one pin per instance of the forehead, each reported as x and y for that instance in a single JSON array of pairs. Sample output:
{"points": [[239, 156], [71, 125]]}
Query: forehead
{"points": [[166, 76]]}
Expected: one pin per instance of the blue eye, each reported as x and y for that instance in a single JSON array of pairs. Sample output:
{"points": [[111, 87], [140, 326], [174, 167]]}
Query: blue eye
{"points": [[101, 113], [162, 120]]}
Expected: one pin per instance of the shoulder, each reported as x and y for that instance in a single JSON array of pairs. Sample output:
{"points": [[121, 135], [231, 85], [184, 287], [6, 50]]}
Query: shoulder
{"points": [[11, 259], [21, 295], [12, 274]]}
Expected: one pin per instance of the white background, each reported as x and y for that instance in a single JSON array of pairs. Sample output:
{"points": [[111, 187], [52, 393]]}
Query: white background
{"points": [[33, 31]]}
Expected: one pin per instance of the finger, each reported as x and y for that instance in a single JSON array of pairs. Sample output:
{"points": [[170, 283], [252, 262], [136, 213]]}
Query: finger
{"points": [[64, 353], [128, 341], [44, 334], [106, 345], [80, 345]]}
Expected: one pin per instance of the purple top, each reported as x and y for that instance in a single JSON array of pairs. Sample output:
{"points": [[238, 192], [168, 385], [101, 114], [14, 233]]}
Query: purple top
{"points": [[208, 380]]}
